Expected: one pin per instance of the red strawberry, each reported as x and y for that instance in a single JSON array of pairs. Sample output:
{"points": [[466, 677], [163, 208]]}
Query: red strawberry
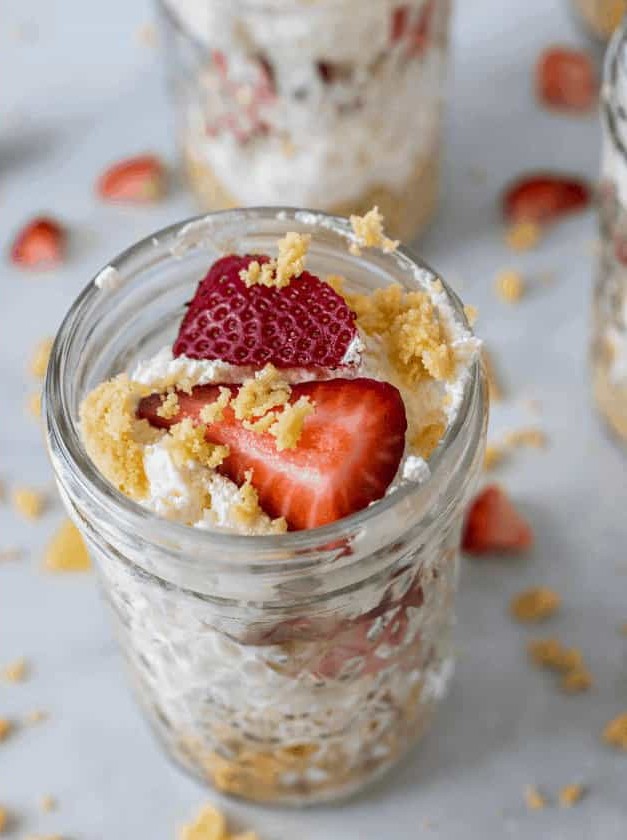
{"points": [[40, 244], [493, 524], [400, 19], [544, 198], [566, 78], [421, 31], [305, 324], [138, 179], [347, 455]]}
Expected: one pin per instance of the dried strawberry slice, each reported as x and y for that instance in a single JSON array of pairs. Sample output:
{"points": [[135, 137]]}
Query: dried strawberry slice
{"points": [[493, 524], [566, 78], [305, 324], [543, 198], [40, 244], [135, 179]]}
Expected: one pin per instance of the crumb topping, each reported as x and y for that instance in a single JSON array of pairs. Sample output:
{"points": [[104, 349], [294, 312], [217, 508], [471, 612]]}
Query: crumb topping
{"points": [[570, 795], [210, 824], [15, 672], [28, 502], [551, 654], [114, 437], [576, 681], [279, 272], [535, 604], [516, 439], [523, 236], [186, 442], [534, 800], [66, 551], [509, 286], [426, 440], [615, 732], [6, 727], [369, 233], [33, 404], [169, 407], [214, 412], [247, 509], [41, 357]]}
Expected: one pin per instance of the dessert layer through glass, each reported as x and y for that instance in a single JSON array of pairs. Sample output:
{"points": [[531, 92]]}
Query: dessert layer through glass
{"points": [[334, 104], [289, 668]]}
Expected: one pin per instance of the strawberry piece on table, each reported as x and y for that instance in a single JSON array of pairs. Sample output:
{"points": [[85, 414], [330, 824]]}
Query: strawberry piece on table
{"points": [[544, 198], [40, 244], [494, 525], [566, 78], [135, 180], [305, 324], [347, 456]]}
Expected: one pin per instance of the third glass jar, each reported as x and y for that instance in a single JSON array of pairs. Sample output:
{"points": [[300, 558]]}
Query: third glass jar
{"points": [[333, 104]]}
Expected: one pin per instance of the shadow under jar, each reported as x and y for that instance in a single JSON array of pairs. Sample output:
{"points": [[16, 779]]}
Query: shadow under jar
{"points": [[334, 105], [609, 347], [292, 668], [600, 17]]}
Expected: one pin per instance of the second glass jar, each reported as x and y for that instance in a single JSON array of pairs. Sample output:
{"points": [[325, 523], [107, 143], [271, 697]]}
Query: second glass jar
{"points": [[334, 105]]}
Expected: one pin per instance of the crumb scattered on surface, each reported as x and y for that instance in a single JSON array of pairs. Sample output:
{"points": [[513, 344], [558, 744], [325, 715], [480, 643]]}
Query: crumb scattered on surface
{"points": [[247, 510], [615, 732], [147, 35], [15, 672], [36, 716], [4, 819], [28, 502], [534, 800], [66, 551], [210, 824], [169, 407], [497, 452], [551, 654], [33, 404], [48, 803], [570, 795], [6, 727], [535, 604], [523, 236], [472, 313], [495, 390], [509, 286], [369, 233], [494, 455], [279, 272], [577, 681], [41, 357]]}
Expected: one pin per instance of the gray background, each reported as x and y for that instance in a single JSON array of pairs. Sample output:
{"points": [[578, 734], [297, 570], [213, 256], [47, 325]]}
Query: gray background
{"points": [[80, 90]]}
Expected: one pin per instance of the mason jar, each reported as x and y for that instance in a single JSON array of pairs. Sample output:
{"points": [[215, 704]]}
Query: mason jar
{"points": [[290, 668], [334, 104], [600, 17], [609, 345]]}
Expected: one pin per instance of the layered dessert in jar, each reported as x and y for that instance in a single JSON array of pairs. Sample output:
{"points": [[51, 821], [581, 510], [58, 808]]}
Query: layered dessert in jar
{"points": [[601, 17], [609, 347], [330, 104], [272, 481]]}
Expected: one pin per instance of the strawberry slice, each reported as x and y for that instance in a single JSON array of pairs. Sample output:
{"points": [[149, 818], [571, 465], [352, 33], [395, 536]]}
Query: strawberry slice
{"points": [[137, 180], [493, 524], [305, 324], [40, 244], [566, 78], [347, 455], [421, 31], [399, 24], [544, 198]]}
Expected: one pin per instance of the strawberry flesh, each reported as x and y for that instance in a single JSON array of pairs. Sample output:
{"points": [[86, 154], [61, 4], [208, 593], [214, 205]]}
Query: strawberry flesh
{"points": [[544, 198], [306, 324], [566, 78], [347, 456], [494, 525], [138, 179], [40, 244]]}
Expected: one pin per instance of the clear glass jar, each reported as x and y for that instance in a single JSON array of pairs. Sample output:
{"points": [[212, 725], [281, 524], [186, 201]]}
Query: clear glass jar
{"points": [[609, 346], [600, 17], [334, 105], [291, 668]]}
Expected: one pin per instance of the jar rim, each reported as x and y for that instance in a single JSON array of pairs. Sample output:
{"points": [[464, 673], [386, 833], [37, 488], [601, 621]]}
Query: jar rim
{"points": [[63, 431], [612, 65]]}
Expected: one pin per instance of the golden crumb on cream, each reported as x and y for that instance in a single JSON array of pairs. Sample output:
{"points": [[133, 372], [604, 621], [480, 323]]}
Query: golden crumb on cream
{"points": [[369, 233], [247, 510], [214, 412], [187, 442], [169, 407], [279, 272]]}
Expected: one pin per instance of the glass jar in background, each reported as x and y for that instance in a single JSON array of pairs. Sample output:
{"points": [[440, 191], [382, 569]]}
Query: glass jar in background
{"points": [[333, 105], [601, 17], [291, 668], [609, 348]]}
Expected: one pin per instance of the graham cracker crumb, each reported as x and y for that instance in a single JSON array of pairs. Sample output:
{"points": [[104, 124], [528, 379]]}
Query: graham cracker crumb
{"points": [[4, 819], [169, 407], [494, 455], [33, 404], [529, 436], [615, 732], [535, 604], [472, 313], [28, 502], [369, 233], [336, 281], [534, 800], [551, 654], [6, 727], [16, 671], [36, 716], [214, 412], [426, 441], [523, 236], [288, 426], [209, 824], [495, 391], [40, 358], [570, 795], [257, 396], [576, 681], [186, 442], [66, 551], [48, 803], [509, 286], [114, 437], [247, 510], [289, 264]]}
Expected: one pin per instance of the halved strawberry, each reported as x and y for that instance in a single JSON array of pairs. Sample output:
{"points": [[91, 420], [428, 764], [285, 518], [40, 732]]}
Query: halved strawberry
{"points": [[347, 455], [399, 24], [138, 179], [40, 244], [544, 198], [493, 524], [305, 324], [566, 78]]}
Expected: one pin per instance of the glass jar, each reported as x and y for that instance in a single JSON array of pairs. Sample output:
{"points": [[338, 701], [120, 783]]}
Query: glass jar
{"points": [[600, 17], [290, 668], [334, 104], [609, 346]]}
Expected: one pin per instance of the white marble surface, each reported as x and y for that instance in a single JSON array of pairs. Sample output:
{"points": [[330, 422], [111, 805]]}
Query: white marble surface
{"points": [[78, 90]]}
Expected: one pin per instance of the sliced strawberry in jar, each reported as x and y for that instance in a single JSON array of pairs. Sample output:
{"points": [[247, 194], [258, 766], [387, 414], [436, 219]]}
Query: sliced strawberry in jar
{"points": [[494, 525], [305, 324], [347, 455], [400, 23], [566, 78], [138, 180], [420, 34], [40, 244], [544, 198]]}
